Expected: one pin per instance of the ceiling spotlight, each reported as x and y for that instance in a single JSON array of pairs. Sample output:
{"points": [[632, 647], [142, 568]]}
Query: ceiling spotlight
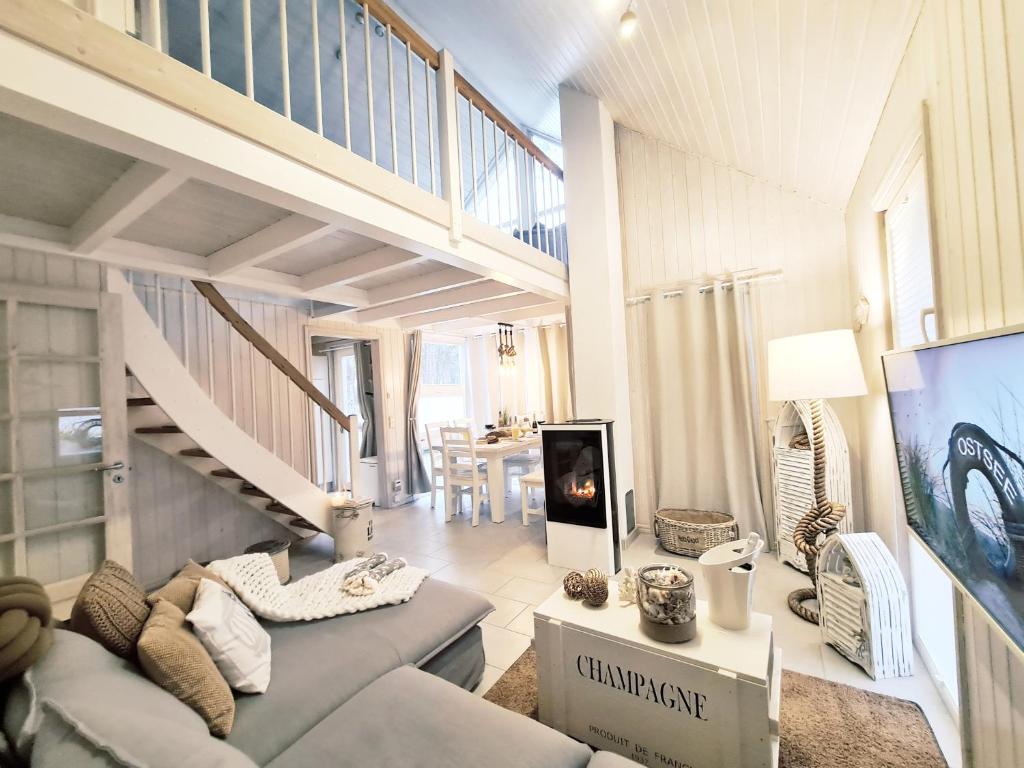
{"points": [[627, 23]]}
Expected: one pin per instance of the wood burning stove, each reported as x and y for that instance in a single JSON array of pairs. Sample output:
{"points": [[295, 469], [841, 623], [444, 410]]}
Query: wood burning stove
{"points": [[579, 493]]}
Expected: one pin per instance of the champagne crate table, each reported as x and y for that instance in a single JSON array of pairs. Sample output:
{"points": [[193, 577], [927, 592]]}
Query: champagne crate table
{"points": [[710, 703]]}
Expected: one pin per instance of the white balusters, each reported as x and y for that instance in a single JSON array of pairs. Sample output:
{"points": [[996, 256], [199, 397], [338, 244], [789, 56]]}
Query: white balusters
{"points": [[318, 99], [369, 81], [286, 84], [250, 86], [343, 55], [412, 113], [204, 36]]}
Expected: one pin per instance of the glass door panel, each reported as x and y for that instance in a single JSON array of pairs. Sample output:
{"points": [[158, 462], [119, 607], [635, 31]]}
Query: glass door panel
{"points": [[61, 381]]}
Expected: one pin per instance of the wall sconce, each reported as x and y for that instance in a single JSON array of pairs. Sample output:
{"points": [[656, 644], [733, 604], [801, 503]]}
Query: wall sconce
{"points": [[861, 313]]}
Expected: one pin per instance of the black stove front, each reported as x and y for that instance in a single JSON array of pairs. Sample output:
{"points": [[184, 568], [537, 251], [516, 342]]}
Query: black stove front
{"points": [[575, 485]]}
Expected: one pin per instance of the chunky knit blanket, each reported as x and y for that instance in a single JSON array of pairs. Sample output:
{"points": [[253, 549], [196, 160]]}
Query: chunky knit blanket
{"points": [[317, 596]]}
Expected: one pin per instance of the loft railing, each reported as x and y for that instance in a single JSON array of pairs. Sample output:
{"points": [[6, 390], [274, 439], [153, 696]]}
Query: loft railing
{"points": [[252, 381], [507, 180], [360, 76]]}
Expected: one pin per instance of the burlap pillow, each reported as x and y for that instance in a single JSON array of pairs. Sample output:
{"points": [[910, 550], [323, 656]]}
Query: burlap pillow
{"points": [[173, 658], [181, 590], [111, 609]]}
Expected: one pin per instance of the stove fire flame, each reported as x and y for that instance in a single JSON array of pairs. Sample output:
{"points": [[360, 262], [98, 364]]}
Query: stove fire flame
{"points": [[585, 492]]}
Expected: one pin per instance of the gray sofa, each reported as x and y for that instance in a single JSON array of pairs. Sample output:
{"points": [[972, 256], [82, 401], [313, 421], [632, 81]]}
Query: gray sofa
{"points": [[382, 687]]}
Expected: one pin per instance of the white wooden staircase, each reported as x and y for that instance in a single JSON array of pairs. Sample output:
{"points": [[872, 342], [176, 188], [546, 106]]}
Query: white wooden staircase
{"points": [[177, 417]]}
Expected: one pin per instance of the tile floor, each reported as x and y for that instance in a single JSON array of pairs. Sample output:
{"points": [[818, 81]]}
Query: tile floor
{"points": [[507, 564]]}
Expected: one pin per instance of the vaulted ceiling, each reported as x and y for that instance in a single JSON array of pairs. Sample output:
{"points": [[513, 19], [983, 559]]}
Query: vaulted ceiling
{"points": [[787, 90]]}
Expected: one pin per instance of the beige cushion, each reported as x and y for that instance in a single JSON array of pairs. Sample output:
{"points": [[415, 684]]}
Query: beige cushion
{"points": [[181, 590], [111, 609], [173, 658]]}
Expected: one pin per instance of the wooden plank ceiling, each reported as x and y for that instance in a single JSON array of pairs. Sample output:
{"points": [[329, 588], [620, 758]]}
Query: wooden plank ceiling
{"points": [[789, 91]]}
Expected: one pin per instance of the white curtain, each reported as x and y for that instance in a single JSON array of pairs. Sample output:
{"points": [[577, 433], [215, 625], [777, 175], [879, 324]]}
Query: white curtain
{"points": [[703, 431], [537, 386]]}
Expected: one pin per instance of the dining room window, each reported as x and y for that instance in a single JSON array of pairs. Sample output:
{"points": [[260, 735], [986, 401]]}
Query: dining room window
{"points": [[443, 381]]}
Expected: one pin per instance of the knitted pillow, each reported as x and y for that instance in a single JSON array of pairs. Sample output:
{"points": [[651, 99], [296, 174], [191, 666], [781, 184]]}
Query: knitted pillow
{"points": [[173, 658], [111, 609], [181, 590], [26, 633]]}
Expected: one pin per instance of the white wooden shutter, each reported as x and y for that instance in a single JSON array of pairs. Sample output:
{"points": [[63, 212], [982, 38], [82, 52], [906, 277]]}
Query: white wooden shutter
{"points": [[912, 287]]}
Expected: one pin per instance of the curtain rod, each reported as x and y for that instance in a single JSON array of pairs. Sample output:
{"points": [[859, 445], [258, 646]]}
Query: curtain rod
{"points": [[560, 324], [704, 286]]}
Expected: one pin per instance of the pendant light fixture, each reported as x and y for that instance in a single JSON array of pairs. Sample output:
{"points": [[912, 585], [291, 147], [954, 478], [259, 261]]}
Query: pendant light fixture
{"points": [[506, 347], [628, 22]]}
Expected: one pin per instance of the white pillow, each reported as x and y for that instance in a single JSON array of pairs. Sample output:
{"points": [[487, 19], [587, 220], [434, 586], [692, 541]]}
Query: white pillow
{"points": [[239, 646]]}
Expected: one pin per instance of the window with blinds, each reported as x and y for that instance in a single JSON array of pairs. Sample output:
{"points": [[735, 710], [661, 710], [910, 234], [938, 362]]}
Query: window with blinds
{"points": [[911, 285]]}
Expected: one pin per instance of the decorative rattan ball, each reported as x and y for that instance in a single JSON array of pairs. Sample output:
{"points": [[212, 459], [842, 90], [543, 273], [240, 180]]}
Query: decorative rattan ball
{"points": [[595, 587], [573, 584]]}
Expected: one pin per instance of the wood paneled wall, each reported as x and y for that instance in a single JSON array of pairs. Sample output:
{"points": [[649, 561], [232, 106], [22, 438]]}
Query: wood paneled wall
{"points": [[966, 60], [684, 217], [178, 514]]}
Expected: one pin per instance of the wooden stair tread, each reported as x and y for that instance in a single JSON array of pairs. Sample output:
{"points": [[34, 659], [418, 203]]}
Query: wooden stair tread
{"points": [[163, 429], [230, 474], [280, 509], [140, 402], [197, 453], [251, 490]]}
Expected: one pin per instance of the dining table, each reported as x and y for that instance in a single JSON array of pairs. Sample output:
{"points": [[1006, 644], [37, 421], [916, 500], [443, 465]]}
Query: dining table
{"points": [[495, 455]]}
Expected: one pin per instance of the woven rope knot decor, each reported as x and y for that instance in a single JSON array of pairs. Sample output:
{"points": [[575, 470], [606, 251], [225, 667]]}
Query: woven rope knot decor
{"points": [[595, 587], [573, 585], [26, 633]]}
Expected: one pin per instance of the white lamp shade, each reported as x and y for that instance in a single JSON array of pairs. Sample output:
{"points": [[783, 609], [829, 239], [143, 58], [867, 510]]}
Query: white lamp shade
{"points": [[815, 366]]}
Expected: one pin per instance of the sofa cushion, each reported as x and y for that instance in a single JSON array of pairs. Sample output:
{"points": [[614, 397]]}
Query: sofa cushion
{"points": [[320, 665], [181, 590], [409, 717], [76, 733], [239, 646], [111, 609], [176, 660], [108, 698]]}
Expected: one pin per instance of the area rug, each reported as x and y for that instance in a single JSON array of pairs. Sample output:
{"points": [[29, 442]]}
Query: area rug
{"points": [[823, 724]]}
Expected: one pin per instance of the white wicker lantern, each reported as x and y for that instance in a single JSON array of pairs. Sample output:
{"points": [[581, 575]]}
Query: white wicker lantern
{"points": [[865, 609], [793, 473]]}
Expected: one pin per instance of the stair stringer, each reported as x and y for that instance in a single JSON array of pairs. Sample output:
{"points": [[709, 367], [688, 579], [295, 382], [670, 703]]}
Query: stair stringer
{"points": [[156, 366]]}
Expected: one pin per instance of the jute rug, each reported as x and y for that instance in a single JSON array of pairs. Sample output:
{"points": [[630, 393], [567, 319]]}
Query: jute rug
{"points": [[823, 724]]}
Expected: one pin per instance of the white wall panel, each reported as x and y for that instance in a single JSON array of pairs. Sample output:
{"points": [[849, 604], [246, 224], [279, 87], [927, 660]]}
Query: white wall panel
{"points": [[966, 59], [684, 217]]}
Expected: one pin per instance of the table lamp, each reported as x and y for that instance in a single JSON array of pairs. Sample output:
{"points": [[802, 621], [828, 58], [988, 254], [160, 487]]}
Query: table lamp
{"points": [[814, 367]]}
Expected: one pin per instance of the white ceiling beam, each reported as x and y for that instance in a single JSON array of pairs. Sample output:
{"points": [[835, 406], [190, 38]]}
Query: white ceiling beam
{"points": [[446, 277], [47, 238], [136, 191], [451, 297], [282, 236], [376, 262], [476, 309]]}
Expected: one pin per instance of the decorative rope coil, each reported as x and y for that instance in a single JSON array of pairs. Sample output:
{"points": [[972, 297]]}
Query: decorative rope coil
{"points": [[595, 587], [820, 519], [26, 633], [573, 585]]}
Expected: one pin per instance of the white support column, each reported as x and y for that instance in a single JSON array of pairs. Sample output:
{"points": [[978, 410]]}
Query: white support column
{"points": [[599, 352], [353, 455], [448, 125]]}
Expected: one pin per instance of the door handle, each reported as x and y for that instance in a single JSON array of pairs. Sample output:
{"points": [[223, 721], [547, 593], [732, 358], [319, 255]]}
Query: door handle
{"points": [[109, 467]]}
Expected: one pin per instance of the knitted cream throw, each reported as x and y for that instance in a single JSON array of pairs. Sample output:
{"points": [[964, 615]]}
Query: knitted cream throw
{"points": [[317, 596]]}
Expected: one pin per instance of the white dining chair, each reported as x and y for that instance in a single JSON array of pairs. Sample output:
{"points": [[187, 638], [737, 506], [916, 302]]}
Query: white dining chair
{"points": [[527, 485], [433, 432], [463, 471]]}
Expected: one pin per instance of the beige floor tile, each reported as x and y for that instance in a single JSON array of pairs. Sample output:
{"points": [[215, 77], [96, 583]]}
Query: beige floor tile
{"points": [[502, 646], [523, 622], [526, 590], [490, 677], [475, 577], [504, 610]]}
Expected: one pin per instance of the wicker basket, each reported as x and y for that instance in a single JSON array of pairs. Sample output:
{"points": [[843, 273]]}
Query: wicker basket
{"points": [[692, 532]]}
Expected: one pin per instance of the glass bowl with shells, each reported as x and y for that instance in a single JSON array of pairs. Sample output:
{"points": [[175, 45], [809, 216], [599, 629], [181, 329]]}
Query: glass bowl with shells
{"points": [[667, 604]]}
